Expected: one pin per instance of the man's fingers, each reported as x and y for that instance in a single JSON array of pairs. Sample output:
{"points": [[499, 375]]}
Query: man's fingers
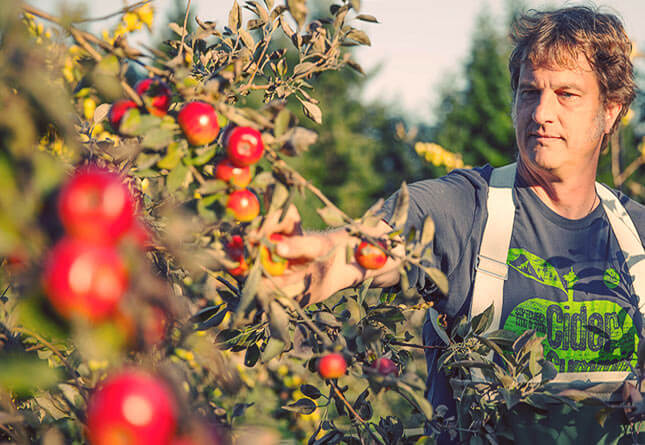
{"points": [[289, 224], [308, 247]]}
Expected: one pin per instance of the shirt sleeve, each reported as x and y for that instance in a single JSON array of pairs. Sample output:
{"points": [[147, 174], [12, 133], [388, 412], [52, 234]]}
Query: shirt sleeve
{"points": [[456, 203]]}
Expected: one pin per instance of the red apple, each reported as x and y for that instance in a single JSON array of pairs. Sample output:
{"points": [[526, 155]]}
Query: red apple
{"points": [[244, 146], [134, 408], [155, 95], [332, 366], [235, 249], [118, 110], [385, 366], [370, 256], [229, 172], [273, 263], [84, 279], [244, 205], [96, 205], [198, 121]]}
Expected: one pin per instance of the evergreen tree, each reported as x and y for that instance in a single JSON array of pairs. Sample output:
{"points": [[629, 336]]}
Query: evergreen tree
{"points": [[475, 121]]}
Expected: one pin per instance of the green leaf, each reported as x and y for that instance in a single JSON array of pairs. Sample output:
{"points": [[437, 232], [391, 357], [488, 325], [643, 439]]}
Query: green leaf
{"points": [[298, 10], [331, 216], [25, 374], [302, 406], [279, 322], [130, 121], [359, 36], [312, 111], [281, 122], [235, 17], [427, 234], [250, 288], [247, 39], [173, 156], [438, 277], [273, 348], [502, 337], [202, 158], [481, 322], [158, 138], [303, 68], [367, 18], [177, 177], [400, 215], [434, 319], [310, 391], [252, 355], [213, 321]]}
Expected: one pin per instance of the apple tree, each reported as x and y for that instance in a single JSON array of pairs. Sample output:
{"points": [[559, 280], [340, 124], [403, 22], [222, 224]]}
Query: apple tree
{"points": [[134, 305]]}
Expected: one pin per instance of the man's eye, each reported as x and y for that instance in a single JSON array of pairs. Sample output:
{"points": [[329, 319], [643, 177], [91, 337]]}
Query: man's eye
{"points": [[566, 94]]}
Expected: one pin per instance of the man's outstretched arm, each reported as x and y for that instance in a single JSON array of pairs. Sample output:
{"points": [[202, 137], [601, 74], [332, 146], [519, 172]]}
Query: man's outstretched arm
{"points": [[318, 263]]}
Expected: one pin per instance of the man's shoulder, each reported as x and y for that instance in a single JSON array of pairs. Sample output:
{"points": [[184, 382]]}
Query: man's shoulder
{"points": [[635, 209], [456, 181]]}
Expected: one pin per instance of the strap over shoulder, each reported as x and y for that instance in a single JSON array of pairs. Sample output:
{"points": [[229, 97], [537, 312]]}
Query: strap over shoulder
{"points": [[627, 236], [492, 269]]}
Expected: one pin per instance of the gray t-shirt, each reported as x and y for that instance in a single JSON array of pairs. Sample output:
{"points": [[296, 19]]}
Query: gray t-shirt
{"points": [[567, 278]]}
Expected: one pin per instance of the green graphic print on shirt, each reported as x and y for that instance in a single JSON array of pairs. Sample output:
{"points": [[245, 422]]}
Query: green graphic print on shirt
{"points": [[580, 336]]}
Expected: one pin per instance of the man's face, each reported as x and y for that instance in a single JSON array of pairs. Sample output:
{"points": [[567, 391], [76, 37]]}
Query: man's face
{"points": [[560, 119]]}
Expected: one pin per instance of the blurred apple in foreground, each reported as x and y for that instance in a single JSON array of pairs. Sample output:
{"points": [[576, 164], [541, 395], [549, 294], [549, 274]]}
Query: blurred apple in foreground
{"points": [[96, 205], [133, 408], [84, 279]]}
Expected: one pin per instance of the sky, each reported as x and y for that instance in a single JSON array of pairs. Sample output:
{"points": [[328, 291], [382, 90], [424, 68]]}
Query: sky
{"points": [[416, 45]]}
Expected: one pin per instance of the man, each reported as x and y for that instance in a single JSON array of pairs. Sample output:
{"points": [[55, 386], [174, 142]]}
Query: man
{"points": [[564, 272]]}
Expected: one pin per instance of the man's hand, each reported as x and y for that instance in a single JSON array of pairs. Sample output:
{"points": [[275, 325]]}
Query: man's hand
{"points": [[318, 265]]}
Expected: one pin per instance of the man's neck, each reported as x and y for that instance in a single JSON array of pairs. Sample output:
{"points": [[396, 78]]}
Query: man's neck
{"points": [[572, 196]]}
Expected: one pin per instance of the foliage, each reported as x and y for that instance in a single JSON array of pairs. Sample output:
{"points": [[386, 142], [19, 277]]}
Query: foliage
{"points": [[241, 360]]}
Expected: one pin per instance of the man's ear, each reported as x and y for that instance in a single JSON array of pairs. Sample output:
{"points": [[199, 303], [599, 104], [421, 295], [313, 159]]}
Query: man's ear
{"points": [[612, 109]]}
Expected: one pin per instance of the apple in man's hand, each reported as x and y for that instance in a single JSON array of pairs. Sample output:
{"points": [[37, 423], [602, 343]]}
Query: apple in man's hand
{"points": [[273, 263], [370, 256]]}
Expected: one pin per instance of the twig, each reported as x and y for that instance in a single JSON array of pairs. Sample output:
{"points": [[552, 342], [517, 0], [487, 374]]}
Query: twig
{"points": [[121, 11], [296, 307], [411, 345], [87, 37], [183, 31], [629, 170], [86, 46], [51, 347], [267, 41], [354, 413], [197, 175], [347, 404]]}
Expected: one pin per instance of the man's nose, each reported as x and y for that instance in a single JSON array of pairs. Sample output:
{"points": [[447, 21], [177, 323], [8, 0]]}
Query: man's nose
{"points": [[544, 111]]}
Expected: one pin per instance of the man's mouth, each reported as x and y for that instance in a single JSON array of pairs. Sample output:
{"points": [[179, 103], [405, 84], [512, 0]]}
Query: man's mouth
{"points": [[544, 136]]}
